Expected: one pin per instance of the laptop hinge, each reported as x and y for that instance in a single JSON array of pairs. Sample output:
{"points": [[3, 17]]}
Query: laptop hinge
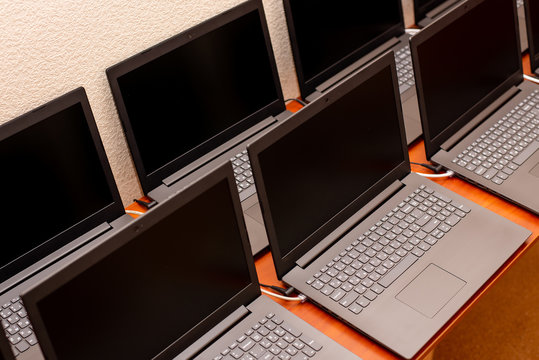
{"points": [[479, 118], [208, 338], [357, 64], [349, 224], [441, 8], [195, 165]]}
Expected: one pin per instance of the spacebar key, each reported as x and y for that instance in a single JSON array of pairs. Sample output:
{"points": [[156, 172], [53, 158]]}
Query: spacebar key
{"points": [[398, 270], [529, 151]]}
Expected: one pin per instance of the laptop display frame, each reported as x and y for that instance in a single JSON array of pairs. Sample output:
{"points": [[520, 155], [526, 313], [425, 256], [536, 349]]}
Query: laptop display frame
{"points": [[433, 144], [150, 181], [533, 43], [107, 214], [285, 262], [130, 232], [308, 86]]}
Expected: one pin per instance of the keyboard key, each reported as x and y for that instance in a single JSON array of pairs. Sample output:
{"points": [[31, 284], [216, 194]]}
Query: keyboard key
{"points": [[389, 278]]}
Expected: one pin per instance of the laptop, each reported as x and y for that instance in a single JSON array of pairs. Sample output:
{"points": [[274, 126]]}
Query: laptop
{"points": [[388, 252], [427, 11], [532, 27], [194, 100], [479, 117], [179, 282], [5, 350], [59, 194], [331, 42]]}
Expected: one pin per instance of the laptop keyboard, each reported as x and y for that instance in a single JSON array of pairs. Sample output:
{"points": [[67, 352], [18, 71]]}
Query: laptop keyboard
{"points": [[505, 146], [242, 171], [405, 72], [365, 268], [17, 326], [271, 338]]}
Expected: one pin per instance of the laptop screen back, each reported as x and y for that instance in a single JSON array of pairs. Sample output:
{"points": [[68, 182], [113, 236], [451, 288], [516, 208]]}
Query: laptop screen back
{"points": [[192, 93], [458, 66], [151, 283], [327, 37], [55, 178], [315, 171], [422, 7]]}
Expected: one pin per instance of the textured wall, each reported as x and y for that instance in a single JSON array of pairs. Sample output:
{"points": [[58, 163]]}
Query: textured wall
{"points": [[50, 47]]}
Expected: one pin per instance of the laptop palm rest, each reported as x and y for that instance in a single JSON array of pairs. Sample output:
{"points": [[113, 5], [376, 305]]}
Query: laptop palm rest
{"points": [[431, 290], [535, 170]]}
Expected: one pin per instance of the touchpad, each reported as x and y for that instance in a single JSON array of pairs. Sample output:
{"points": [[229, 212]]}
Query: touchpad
{"points": [[255, 212], [535, 170], [431, 290]]}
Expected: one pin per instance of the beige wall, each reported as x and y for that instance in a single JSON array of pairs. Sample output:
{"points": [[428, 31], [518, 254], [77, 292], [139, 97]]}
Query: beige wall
{"points": [[49, 47]]}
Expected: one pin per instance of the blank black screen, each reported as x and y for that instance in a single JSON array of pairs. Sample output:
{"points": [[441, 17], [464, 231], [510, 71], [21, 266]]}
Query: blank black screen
{"points": [[51, 180], [197, 91], [533, 17], [319, 168], [467, 60], [327, 32], [142, 297]]}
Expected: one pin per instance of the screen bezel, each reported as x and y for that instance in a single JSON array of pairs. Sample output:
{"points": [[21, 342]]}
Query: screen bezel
{"points": [[433, 144], [77, 266], [308, 86], [285, 262], [150, 181], [532, 45], [107, 214]]}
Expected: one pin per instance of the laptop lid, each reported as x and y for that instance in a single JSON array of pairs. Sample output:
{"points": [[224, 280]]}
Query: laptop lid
{"points": [[462, 63], [328, 160], [56, 181], [532, 26], [184, 97], [156, 285], [326, 38]]}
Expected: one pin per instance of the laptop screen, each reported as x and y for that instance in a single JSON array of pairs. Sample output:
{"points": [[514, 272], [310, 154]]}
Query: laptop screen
{"points": [[315, 171], [532, 19], [327, 37], [56, 182], [192, 93], [151, 283], [460, 64]]}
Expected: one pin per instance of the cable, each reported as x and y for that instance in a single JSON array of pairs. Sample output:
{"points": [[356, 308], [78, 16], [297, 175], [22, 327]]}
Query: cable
{"points": [[428, 166], [133, 212], [531, 78], [300, 297], [412, 31], [301, 102], [282, 291], [447, 174]]}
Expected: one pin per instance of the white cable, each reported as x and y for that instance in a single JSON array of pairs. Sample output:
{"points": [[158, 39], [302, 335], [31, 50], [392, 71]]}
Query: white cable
{"points": [[300, 297], [531, 78], [134, 212], [412, 31], [447, 174]]}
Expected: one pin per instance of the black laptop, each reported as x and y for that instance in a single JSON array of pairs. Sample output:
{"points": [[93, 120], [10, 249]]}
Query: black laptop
{"points": [[332, 40], [392, 254], [194, 100], [532, 26], [427, 11], [479, 117], [58, 195], [179, 282]]}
